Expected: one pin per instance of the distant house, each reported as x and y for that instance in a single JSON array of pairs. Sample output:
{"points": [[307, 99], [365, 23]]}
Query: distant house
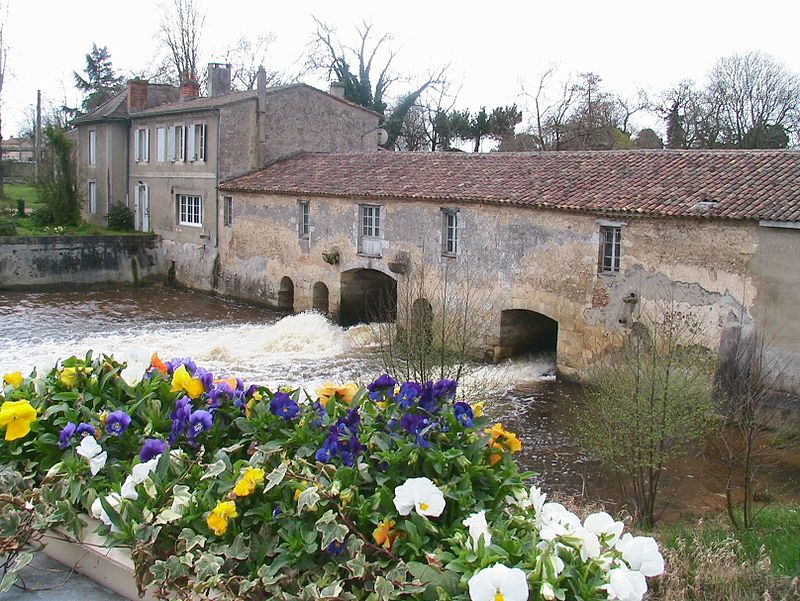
{"points": [[18, 149], [162, 150]]}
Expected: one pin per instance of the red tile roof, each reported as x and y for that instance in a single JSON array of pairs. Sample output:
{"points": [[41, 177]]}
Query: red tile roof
{"points": [[731, 184]]}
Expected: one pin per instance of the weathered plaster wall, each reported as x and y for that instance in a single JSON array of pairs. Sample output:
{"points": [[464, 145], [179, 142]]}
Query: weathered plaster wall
{"points": [[110, 171], [536, 260], [71, 260]]}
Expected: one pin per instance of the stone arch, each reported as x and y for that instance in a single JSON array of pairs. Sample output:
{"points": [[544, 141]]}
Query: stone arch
{"points": [[524, 331], [286, 295], [367, 295], [321, 298]]}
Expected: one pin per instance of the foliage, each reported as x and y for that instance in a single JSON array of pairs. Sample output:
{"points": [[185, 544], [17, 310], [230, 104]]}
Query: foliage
{"points": [[646, 402], [101, 82], [43, 216], [58, 187], [120, 217], [496, 125], [242, 492], [8, 227]]}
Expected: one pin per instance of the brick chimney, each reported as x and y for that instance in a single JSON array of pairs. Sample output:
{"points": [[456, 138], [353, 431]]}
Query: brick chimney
{"points": [[190, 89], [219, 79], [337, 89], [137, 94]]}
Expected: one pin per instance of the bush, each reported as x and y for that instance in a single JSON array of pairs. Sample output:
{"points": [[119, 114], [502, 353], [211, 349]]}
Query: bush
{"points": [[230, 491], [43, 216], [120, 217], [8, 227]]}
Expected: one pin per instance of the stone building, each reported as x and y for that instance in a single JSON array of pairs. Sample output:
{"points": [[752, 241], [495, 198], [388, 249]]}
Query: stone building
{"points": [[566, 245], [163, 150]]}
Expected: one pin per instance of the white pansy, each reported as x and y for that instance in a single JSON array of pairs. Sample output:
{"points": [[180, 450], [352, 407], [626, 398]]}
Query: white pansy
{"points": [[477, 528], [588, 543], [547, 591], [99, 513], [420, 494], [642, 554], [605, 527], [537, 498], [498, 582], [625, 585], [93, 452], [139, 473], [554, 520]]}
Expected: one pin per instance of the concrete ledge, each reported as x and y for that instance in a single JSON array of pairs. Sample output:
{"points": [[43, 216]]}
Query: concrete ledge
{"points": [[111, 567]]}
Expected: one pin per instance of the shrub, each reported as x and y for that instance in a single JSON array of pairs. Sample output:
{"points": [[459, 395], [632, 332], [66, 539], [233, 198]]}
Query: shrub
{"points": [[43, 216], [242, 492], [8, 227], [120, 217]]}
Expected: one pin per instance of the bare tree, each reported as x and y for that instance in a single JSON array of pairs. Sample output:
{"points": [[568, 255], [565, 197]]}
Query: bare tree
{"points": [[181, 29], [246, 55], [365, 70], [549, 114], [3, 65]]}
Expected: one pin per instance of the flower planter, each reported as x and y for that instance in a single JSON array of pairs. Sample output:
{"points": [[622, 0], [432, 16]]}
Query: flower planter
{"points": [[111, 567]]}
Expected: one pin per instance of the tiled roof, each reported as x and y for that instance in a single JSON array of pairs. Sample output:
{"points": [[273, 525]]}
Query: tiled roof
{"points": [[731, 184], [117, 106]]}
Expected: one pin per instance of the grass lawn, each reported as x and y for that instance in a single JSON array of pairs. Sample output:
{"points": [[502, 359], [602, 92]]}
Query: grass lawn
{"points": [[20, 191]]}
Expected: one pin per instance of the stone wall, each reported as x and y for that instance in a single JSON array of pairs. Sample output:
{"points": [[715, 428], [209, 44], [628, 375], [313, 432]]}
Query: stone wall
{"points": [[76, 260], [519, 259]]}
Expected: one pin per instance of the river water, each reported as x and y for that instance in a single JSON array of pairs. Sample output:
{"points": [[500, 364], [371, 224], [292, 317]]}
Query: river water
{"points": [[262, 346]]}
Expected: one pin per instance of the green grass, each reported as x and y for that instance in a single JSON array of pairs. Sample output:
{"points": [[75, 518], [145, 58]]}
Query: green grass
{"points": [[21, 191], [776, 529]]}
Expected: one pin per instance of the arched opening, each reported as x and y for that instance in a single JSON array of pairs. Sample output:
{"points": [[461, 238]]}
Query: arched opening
{"points": [[420, 327], [367, 295], [320, 298], [286, 295], [523, 332]]}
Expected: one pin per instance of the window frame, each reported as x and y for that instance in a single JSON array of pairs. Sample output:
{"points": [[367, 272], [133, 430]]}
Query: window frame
{"points": [[92, 150], [92, 196], [190, 216], [610, 251], [304, 219], [370, 229], [450, 244], [180, 147], [197, 141], [161, 144], [227, 211], [142, 145]]}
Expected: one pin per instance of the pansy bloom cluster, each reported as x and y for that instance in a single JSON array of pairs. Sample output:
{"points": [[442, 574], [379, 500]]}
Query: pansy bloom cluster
{"points": [[391, 490]]}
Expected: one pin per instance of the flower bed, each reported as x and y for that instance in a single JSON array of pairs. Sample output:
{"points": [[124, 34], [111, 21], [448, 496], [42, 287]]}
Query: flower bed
{"points": [[393, 490]]}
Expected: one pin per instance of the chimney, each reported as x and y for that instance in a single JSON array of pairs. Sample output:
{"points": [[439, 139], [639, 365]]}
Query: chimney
{"points": [[137, 94], [190, 89], [337, 89], [219, 79]]}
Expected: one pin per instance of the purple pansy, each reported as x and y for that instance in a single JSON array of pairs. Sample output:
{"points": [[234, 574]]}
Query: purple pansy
{"points": [[284, 406], [180, 417], [152, 447], [335, 548], [84, 428], [409, 392], [117, 423], [463, 413], [67, 432], [200, 421]]}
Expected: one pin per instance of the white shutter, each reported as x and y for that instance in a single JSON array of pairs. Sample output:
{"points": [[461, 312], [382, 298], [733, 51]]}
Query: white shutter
{"points": [[170, 143], [191, 149], [136, 156], [147, 145]]}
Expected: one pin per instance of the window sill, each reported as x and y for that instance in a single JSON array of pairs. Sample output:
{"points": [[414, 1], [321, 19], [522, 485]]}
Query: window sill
{"points": [[607, 274], [368, 256], [450, 255], [193, 225]]}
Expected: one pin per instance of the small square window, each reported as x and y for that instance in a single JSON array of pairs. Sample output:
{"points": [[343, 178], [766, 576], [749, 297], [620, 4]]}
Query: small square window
{"points": [[190, 210], [450, 232], [304, 219], [610, 249]]}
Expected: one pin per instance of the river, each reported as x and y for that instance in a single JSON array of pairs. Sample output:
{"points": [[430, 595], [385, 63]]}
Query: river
{"points": [[265, 347]]}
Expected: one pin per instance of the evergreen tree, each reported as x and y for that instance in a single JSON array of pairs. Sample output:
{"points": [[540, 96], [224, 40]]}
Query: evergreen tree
{"points": [[101, 83], [676, 135]]}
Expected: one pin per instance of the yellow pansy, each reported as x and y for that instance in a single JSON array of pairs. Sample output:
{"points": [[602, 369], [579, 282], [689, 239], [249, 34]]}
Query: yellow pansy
{"points": [[345, 393], [253, 476], [17, 417], [15, 379], [477, 409], [182, 381], [68, 376], [219, 517], [502, 440], [385, 534]]}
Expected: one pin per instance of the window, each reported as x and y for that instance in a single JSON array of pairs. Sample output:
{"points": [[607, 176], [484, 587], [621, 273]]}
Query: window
{"points": [[190, 210], [161, 144], [227, 210], [93, 147], [304, 220], [370, 231], [197, 142], [610, 246], [170, 143], [179, 149], [92, 197], [450, 232], [141, 149]]}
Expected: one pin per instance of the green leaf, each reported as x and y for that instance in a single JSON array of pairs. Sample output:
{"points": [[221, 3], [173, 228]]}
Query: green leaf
{"points": [[238, 549], [276, 476], [23, 559], [191, 540], [208, 566], [308, 498], [214, 470], [8, 581], [383, 588]]}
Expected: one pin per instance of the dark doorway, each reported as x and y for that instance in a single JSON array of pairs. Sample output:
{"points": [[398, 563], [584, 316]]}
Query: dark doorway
{"points": [[320, 300], [524, 332], [367, 295], [286, 295]]}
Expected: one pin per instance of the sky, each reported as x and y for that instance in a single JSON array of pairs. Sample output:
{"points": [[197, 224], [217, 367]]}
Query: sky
{"points": [[492, 50]]}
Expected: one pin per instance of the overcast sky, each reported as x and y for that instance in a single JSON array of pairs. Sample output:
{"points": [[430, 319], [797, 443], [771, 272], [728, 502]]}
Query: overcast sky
{"points": [[491, 47]]}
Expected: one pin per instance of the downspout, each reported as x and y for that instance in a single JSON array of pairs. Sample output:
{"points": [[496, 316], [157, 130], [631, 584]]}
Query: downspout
{"points": [[216, 185]]}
